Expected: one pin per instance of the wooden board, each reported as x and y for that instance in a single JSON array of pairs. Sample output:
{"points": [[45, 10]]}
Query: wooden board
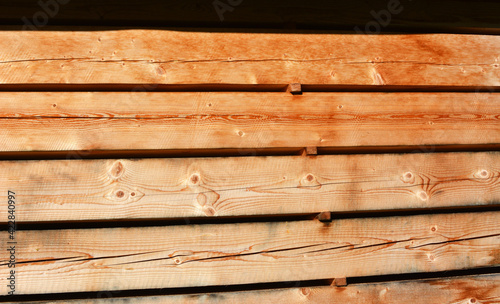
{"points": [[72, 190], [69, 121], [468, 289], [53, 261], [445, 15], [216, 58]]}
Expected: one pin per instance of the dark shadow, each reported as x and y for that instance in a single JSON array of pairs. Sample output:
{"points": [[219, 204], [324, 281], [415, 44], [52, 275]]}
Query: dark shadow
{"points": [[353, 16], [269, 218]]}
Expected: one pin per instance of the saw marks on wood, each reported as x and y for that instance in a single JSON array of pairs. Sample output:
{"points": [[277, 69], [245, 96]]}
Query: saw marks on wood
{"points": [[216, 58], [100, 121]]}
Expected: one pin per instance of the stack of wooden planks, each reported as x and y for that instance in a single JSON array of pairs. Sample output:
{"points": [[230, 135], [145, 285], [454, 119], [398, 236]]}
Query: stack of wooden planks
{"points": [[164, 165]]}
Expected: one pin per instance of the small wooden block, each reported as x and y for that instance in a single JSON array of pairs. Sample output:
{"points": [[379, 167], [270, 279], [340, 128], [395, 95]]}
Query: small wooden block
{"points": [[339, 282], [295, 88], [325, 216], [311, 151]]}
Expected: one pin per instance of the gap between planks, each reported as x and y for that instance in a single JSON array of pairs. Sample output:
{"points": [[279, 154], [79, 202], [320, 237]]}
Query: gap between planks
{"points": [[263, 88], [243, 152]]}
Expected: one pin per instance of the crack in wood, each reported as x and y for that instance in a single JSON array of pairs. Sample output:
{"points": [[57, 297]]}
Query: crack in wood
{"points": [[348, 247], [353, 246], [114, 256], [40, 261], [454, 241]]}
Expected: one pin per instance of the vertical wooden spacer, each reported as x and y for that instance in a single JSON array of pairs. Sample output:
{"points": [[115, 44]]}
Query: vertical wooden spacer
{"points": [[339, 282], [295, 88], [325, 216], [311, 151]]}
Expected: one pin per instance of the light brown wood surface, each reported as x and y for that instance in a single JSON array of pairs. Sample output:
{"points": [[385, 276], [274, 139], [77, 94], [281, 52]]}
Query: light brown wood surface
{"points": [[457, 290], [183, 57], [61, 121], [72, 190], [53, 261]]}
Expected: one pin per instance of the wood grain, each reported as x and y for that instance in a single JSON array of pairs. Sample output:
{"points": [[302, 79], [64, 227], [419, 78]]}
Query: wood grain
{"points": [[63, 121], [72, 190], [68, 260], [444, 15], [463, 290], [215, 58]]}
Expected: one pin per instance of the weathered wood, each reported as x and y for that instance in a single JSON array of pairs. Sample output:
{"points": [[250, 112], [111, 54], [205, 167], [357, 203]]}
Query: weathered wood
{"points": [[72, 190], [467, 289], [444, 15], [216, 58], [69, 260], [243, 120]]}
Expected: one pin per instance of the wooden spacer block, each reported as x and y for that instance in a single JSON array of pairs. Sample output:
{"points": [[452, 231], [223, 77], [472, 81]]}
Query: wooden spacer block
{"points": [[295, 88], [325, 216], [339, 282], [311, 151]]}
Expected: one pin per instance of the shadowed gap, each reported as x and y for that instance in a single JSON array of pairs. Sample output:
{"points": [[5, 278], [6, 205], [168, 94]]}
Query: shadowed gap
{"points": [[158, 222]]}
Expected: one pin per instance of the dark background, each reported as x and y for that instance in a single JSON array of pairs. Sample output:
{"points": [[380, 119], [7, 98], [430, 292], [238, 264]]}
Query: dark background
{"points": [[448, 16]]}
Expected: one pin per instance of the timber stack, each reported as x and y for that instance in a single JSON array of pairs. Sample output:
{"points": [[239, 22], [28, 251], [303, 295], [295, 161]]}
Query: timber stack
{"points": [[249, 153]]}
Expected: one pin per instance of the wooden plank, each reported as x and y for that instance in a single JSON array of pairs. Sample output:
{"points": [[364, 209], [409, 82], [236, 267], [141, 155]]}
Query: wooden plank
{"points": [[216, 58], [174, 120], [467, 289], [78, 260], [444, 15], [73, 190]]}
